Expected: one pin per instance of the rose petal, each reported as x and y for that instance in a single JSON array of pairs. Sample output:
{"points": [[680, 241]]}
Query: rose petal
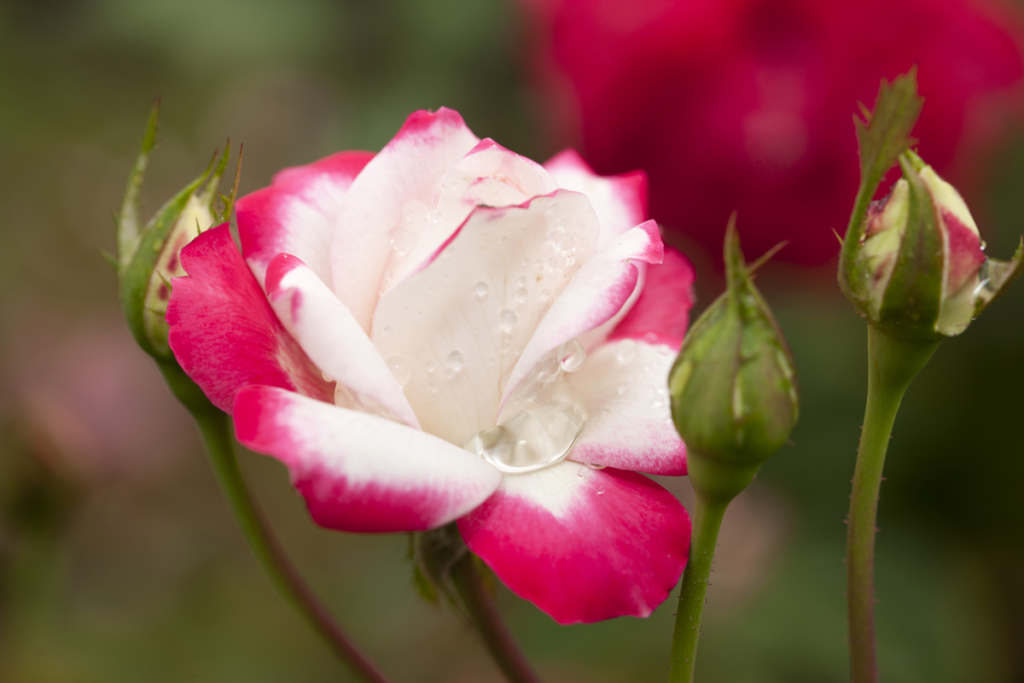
{"points": [[582, 544], [489, 175], [662, 313], [408, 169], [223, 331], [331, 337], [438, 312], [360, 472], [620, 201], [624, 387], [594, 295], [297, 213]]}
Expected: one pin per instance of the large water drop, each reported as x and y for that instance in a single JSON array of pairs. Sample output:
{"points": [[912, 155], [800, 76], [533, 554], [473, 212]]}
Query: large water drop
{"points": [[532, 439]]}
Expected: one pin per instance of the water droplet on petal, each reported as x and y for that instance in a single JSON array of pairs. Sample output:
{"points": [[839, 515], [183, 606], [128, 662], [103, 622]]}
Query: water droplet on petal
{"points": [[507, 319], [434, 216], [532, 439], [595, 466], [481, 289], [625, 351], [401, 369], [431, 366], [455, 361], [571, 356], [433, 387], [544, 296], [522, 295]]}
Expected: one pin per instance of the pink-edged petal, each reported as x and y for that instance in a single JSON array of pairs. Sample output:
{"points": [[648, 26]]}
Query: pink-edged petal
{"points": [[582, 544], [360, 472], [594, 295], [407, 170], [331, 337], [461, 323], [624, 387], [620, 201], [297, 213], [223, 331], [662, 313]]}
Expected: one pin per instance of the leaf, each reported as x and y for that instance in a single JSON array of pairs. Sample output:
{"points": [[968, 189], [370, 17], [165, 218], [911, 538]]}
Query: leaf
{"points": [[885, 134], [882, 135]]}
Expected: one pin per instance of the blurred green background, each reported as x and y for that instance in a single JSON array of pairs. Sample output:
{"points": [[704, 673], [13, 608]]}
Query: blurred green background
{"points": [[119, 560]]}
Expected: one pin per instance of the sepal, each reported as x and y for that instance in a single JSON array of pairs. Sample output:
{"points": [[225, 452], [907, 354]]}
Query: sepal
{"points": [[148, 258]]}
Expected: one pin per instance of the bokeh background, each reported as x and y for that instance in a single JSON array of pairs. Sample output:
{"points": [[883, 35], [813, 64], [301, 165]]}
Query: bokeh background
{"points": [[119, 561]]}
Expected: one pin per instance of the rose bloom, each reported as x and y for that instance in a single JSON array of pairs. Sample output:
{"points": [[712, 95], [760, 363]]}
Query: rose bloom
{"points": [[746, 104], [447, 331]]}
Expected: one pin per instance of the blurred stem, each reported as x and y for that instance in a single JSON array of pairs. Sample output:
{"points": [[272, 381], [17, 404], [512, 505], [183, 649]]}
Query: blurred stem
{"points": [[485, 617], [892, 365], [707, 516], [216, 429]]}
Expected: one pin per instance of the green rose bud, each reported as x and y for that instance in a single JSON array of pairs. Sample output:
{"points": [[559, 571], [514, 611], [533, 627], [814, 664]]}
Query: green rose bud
{"points": [[917, 269], [148, 255], [733, 388]]}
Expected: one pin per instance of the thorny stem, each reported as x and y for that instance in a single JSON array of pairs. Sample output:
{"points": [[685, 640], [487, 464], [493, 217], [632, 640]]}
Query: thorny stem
{"points": [[485, 617], [707, 515], [216, 429], [892, 365]]}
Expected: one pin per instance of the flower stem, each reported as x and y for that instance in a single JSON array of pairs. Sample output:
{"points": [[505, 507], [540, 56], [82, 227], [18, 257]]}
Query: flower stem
{"points": [[707, 514], [216, 429], [485, 617], [892, 365]]}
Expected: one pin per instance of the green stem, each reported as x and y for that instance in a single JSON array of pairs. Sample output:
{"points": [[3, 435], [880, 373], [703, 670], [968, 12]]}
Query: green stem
{"points": [[892, 365], [216, 429], [485, 617], [707, 520]]}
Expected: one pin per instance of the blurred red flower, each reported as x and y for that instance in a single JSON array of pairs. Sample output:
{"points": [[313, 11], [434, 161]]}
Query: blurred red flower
{"points": [[747, 104]]}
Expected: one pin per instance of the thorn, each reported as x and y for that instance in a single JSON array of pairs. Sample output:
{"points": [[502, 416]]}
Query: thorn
{"points": [[111, 261], [836, 233], [765, 257]]}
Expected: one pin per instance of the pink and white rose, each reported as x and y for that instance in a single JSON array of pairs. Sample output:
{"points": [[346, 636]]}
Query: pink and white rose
{"points": [[447, 331]]}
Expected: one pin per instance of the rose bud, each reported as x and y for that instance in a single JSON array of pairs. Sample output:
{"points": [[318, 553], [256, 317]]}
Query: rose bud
{"points": [[734, 392], [148, 255], [918, 270]]}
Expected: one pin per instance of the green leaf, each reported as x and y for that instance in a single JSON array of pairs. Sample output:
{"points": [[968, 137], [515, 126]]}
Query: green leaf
{"points": [[128, 218], [882, 136]]}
